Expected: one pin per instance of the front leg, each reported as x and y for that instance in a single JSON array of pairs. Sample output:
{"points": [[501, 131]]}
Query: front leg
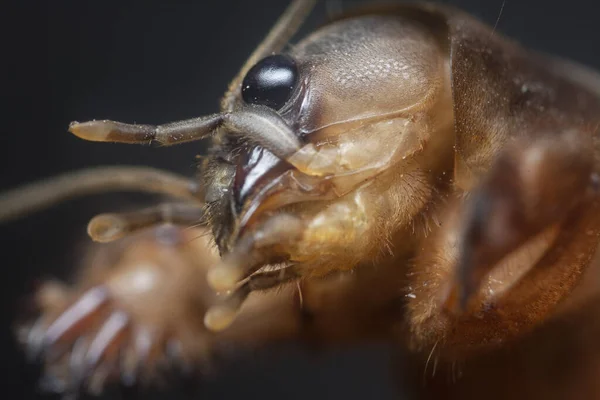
{"points": [[136, 311], [509, 252], [534, 185]]}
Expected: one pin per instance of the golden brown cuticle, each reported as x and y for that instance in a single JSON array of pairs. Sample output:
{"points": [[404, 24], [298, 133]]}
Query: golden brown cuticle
{"points": [[403, 174]]}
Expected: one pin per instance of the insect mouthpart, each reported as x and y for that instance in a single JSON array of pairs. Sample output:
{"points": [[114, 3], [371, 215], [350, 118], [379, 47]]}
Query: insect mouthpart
{"points": [[270, 140], [256, 169]]}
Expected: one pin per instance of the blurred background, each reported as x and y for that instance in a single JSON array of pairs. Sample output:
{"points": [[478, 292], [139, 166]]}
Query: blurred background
{"points": [[154, 61]]}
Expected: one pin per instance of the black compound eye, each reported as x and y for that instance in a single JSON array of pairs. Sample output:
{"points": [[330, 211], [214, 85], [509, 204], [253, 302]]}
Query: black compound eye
{"points": [[271, 81]]}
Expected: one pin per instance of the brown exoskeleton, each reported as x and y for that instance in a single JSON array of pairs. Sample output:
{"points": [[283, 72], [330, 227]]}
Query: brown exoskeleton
{"points": [[421, 180]]}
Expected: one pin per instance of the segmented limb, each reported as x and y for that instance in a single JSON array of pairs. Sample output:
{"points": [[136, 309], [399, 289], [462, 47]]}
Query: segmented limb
{"points": [[136, 308], [507, 255], [534, 184], [109, 227], [138, 315], [221, 315]]}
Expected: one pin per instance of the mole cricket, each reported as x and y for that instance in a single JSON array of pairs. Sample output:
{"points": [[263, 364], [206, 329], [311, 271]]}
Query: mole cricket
{"points": [[402, 174]]}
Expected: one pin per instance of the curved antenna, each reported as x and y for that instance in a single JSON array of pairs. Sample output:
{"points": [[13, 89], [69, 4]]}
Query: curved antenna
{"points": [[287, 25], [39, 195]]}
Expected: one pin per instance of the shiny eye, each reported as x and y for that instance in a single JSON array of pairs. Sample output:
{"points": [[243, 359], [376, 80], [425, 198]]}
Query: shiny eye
{"points": [[271, 81]]}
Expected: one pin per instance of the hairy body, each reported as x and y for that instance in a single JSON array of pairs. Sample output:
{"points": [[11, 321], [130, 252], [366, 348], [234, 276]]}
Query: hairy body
{"points": [[454, 216]]}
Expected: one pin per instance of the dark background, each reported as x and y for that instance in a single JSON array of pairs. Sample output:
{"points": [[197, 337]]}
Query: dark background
{"points": [[158, 61]]}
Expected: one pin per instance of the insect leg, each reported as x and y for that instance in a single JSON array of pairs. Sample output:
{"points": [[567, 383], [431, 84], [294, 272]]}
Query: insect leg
{"points": [[535, 184], [135, 305], [221, 315], [108, 227], [511, 254], [72, 321]]}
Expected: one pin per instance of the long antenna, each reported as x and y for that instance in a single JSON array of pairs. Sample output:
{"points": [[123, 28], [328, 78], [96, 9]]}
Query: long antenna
{"points": [[287, 25], [498, 19], [43, 194]]}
